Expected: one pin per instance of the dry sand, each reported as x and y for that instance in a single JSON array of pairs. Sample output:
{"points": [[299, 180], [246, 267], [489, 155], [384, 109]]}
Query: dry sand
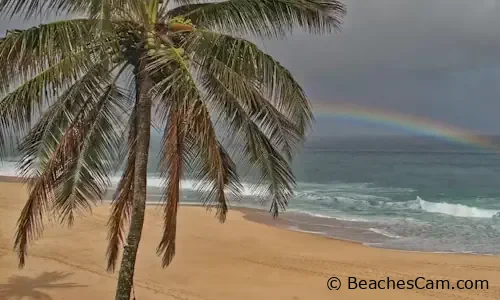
{"points": [[237, 260]]}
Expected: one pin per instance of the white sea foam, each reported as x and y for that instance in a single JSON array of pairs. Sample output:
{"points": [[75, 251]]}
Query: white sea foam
{"points": [[319, 215], [193, 185], [384, 233], [9, 168], [457, 210], [356, 193]]}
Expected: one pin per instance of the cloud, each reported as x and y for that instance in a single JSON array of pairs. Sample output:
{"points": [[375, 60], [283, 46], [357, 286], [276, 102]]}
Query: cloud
{"points": [[432, 58], [402, 35]]}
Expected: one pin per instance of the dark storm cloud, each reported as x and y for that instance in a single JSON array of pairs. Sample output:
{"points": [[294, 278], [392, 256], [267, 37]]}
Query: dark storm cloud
{"points": [[397, 35], [432, 58]]}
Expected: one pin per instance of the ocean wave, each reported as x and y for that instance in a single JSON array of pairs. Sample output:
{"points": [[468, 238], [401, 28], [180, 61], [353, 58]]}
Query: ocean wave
{"points": [[249, 189], [327, 216], [364, 188], [9, 168], [384, 233], [457, 210], [344, 194]]}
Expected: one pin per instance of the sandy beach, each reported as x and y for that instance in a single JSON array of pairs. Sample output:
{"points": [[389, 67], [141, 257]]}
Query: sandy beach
{"points": [[240, 259]]}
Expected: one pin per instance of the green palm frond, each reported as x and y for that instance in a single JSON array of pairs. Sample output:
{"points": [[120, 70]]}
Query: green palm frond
{"points": [[275, 172], [95, 157], [105, 10], [41, 140], [178, 3], [267, 18], [235, 95], [96, 9], [174, 95], [40, 63], [75, 159], [30, 8], [183, 10], [28, 52], [221, 54], [176, 92], [283, 118], [215, 170], [281, 131], [121, 206], [60, 90]]}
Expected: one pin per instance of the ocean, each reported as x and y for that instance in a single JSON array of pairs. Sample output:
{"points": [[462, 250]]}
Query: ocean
{"points": [[407, 193]]}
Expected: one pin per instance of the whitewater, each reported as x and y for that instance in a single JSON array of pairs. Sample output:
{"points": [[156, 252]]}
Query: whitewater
{"points": [[394, 193]]}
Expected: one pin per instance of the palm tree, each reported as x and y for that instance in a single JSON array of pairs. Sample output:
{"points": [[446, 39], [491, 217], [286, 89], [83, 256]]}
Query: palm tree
{"points": [[83, 92]]}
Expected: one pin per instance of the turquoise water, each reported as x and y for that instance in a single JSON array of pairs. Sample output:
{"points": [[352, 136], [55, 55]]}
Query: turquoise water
{"points": [[419, 193]]}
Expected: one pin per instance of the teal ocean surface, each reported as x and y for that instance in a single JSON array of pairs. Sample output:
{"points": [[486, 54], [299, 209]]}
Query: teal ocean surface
{"points": [[409, 193]]}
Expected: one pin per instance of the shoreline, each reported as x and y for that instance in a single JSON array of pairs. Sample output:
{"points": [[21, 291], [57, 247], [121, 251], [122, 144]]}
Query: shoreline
{"points": [[262, 216], [249, 214], [249, 257], [305, 223]]}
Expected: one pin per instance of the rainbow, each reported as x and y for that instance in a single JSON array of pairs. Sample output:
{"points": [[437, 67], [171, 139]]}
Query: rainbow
{"points": [[406, 122]]}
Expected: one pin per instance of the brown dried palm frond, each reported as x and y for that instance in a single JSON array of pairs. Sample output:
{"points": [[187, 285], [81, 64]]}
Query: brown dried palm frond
{"points": [[59, 95]]}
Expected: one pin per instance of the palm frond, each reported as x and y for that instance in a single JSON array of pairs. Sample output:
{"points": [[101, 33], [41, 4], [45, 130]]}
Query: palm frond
{"points": [[276, 178], [186, 2], [173, 159], [183, 10], [26, 101], [41, 62], [215, 171], [189, 126], [121, 207], [276, 174], [93, 156], [76, 169], [280, 130], [28, 52], [96, 9], [42, 139], [174, 92], [222, 54], [285, 129], [267, 18]]}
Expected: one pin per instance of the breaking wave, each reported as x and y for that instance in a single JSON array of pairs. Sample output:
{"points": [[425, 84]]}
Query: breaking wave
{"points": [[457, 210]]}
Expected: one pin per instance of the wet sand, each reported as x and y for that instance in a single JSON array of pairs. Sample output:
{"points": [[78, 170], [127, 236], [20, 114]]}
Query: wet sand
{"points": [[245, 258]]}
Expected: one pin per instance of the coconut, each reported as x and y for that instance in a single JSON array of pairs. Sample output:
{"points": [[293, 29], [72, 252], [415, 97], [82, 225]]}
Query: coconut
{"points": [[151, 52], [162, 52]]}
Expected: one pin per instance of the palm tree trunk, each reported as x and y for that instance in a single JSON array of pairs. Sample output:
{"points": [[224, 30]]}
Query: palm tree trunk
{"points": [[143, 125]]}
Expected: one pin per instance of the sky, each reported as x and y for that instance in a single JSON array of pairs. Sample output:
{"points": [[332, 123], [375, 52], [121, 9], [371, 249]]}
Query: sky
{"points": [[436, 59]]}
